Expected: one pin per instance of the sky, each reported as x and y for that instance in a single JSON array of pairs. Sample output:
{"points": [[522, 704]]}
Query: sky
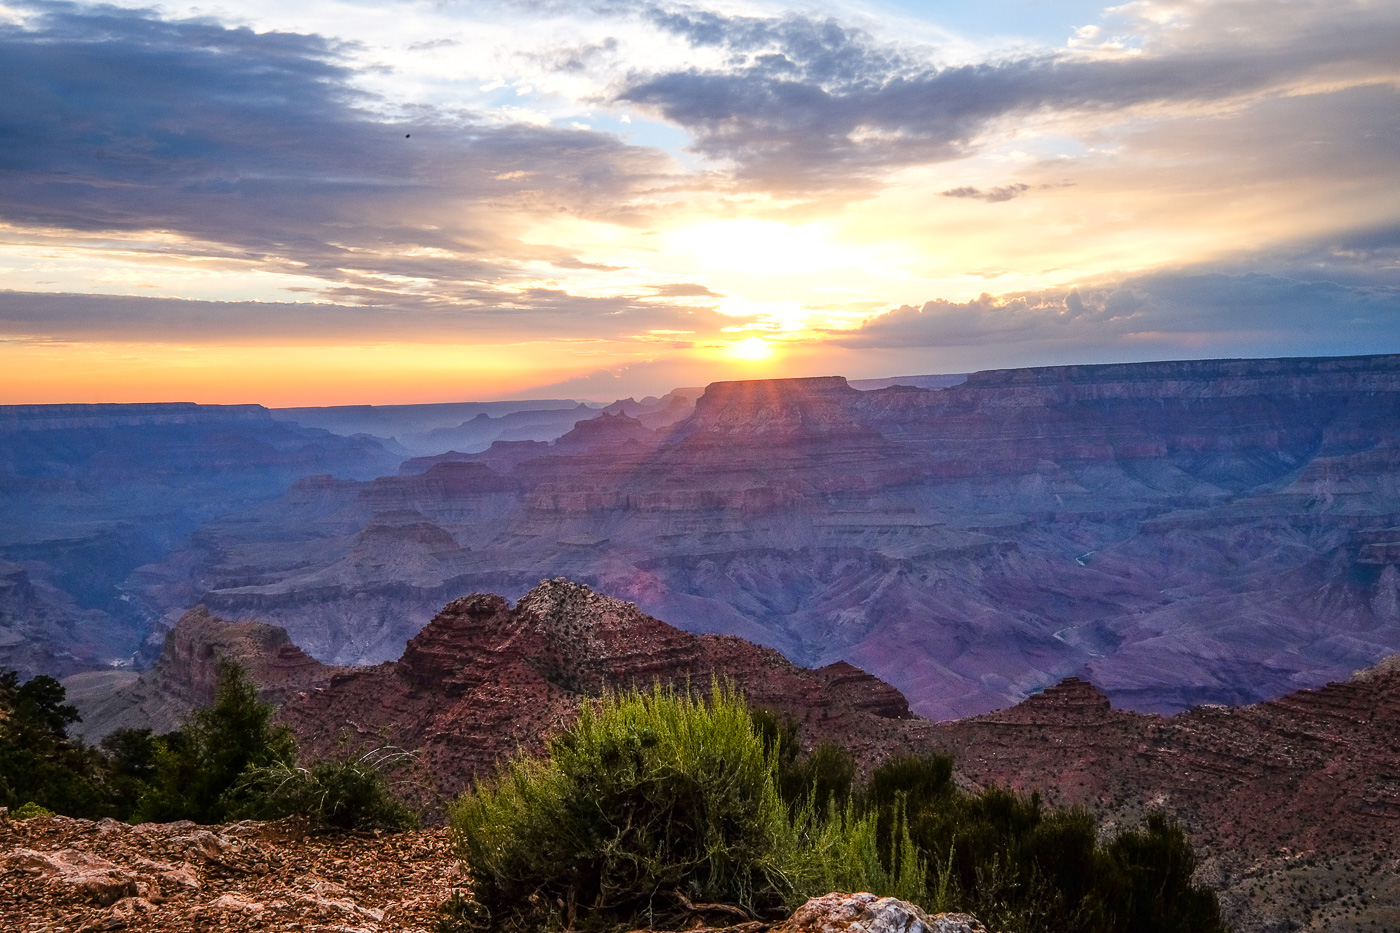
{"points": [[345, 202]]}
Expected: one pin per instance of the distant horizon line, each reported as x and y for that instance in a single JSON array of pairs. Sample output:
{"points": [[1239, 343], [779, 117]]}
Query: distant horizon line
{"points": [[868, 384]]}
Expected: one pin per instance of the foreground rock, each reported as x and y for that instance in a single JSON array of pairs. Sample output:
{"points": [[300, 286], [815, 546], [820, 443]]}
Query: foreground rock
{"points": [[77, 875], [866, 913], [58, 873]]}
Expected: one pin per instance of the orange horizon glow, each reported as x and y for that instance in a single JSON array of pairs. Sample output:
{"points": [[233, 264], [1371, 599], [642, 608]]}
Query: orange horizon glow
{"points": [[39, 373]]}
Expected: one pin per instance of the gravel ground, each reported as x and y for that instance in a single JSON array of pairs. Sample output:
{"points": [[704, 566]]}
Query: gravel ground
{"points": [[61, 874]]}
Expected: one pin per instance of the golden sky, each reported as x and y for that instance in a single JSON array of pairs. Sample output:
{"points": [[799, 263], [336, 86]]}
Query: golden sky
{"points": [[337, 202]]}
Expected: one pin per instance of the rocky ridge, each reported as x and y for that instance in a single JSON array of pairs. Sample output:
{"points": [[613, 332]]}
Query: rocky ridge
{"points": [[186, 674], [484, 679], [1294, 802]]}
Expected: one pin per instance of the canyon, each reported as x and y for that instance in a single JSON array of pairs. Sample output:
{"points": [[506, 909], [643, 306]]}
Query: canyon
{"points": [[1178, 533]]}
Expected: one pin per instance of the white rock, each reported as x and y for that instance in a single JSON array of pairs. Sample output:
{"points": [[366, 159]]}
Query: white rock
{"points": [[863, 912]]}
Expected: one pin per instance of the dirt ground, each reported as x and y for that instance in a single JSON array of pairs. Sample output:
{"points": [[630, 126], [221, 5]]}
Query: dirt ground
{"points": [[60, 874]]}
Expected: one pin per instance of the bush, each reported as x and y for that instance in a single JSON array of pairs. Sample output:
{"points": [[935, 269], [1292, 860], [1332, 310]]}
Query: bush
{"points": [[30, 809], [654, 804], [350, 794], [198, 769], [39, 763], [654, 808], [228, 761], [1018, 865]]}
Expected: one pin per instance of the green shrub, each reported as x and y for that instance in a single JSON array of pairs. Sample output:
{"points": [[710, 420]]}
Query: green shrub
{"points": [[1018, 865], [656, 807], [198, 769], [826, 777], [652, 809], [228, 761], [350, 793], [30, 809], [1150, 888], [845, 854], [39, 763]]}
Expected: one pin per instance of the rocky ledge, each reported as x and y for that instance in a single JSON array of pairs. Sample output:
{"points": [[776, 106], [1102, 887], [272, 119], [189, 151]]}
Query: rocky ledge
{"points": [[77, 875], [63, 874]]}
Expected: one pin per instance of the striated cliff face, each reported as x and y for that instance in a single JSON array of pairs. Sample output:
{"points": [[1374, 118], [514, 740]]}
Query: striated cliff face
{"points": [[91, 493], [1178, 533], [483, 679]]}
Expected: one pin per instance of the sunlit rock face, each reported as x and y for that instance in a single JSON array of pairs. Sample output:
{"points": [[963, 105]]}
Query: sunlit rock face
{"points": [[1182, 532]]}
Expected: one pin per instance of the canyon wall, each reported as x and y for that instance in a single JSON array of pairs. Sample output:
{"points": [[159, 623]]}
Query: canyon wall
{"points": [[1180, 533]]}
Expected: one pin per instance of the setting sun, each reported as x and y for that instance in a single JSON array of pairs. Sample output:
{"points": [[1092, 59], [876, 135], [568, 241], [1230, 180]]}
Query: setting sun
{"points": [[752, 349]]}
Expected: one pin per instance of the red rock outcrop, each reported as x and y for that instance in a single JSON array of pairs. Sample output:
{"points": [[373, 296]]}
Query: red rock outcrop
{"points": [[484, 679]]}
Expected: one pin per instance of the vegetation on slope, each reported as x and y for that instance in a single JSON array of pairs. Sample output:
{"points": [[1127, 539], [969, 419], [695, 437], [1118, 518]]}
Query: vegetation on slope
{"points": [[228, 761], [657, 808]]}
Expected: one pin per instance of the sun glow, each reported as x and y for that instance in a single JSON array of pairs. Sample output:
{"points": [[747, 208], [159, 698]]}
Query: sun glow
{"points": [[764, 247], [751, 349]]}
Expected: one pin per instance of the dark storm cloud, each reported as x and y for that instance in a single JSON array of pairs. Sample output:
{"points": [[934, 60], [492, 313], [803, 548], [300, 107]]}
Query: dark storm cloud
{"points": [[806, 104], [1274, 314], [115, 120]]}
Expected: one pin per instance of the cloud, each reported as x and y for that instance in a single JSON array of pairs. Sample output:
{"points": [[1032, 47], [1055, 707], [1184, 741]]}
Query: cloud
{"points": [[258, 147], [684, 290], [991, 196], [806, 105], [1185, 313], [360, 315]]}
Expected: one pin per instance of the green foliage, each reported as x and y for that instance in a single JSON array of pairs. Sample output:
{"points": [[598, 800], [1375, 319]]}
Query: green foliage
{"points": [[1018, 865], [351, 793], [1150, 888], [652, 809], [30, 809], [826, 776], [197, 775], [846, 854], [228, 761], [130, 765], [39, 763], [654, 804]]}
